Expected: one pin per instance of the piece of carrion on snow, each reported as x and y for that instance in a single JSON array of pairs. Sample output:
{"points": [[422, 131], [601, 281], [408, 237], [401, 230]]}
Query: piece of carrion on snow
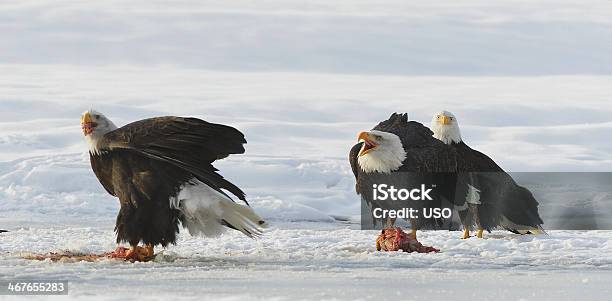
{"points": [[394, 239]]}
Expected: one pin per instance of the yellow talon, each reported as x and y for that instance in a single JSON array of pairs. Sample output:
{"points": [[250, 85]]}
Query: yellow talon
{"points": [[466, 234], [479, 233], [413, 233]]}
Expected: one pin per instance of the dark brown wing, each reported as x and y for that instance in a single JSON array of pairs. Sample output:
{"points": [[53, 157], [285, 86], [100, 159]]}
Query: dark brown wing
{"points": [[353, 156], [102, 166], [424, 153], [499, 193], [185, 139], [474, 160], [189, 143], [412, 133]]}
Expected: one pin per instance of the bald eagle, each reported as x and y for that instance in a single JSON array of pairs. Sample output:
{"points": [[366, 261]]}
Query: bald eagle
{"points": [[487, 197], [404, 154], [161, 171]]}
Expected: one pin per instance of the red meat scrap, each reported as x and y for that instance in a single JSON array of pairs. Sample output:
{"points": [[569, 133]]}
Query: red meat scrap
{"points": [[394, 239]]}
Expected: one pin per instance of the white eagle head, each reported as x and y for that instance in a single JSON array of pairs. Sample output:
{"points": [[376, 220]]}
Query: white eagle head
{"points": [[94, 125], [381, 152], [446, 127]]}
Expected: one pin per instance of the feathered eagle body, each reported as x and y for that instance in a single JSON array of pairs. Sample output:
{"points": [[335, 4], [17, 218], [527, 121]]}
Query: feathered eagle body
{"points": [[455, 170], [161, 171]]}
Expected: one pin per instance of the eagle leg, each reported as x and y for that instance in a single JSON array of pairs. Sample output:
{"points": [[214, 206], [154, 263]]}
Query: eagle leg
{"points": [[413, 233], [466, 221], [474, 209]]}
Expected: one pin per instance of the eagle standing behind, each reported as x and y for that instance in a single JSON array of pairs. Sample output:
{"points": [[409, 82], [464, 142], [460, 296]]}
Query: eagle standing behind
{"points": [[161, 170], [487, 197]]}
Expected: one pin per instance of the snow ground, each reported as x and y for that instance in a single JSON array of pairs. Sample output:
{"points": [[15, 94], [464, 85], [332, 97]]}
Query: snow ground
{"points": [[529, 81], [327, 262]]}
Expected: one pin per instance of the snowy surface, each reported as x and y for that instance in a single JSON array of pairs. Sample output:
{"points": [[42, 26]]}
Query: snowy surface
{"points": [[530, 82], [325, 262]]}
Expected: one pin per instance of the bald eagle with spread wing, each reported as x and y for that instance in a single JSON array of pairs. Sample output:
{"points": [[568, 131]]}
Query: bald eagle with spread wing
{"points": [[161, 171]]}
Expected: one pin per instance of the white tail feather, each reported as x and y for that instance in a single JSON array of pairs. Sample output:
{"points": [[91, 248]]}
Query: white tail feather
{"points": [[243, 218], [208, 212]]}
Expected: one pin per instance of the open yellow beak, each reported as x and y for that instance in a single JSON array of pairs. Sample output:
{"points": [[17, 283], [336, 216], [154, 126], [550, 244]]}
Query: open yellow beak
{"points": [[368, 145], [363, 136], [87, 124], [86, 118], [445, 120]]}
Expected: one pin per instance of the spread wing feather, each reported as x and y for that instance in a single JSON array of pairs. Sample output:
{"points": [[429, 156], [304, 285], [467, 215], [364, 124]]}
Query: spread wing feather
{"points": [[189, 143]]}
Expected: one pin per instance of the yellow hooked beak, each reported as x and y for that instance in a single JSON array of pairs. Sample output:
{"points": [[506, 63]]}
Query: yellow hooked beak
{"points": [[368, 144], [363, 136], [87, 124], [86, 118], [445, 120]]}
